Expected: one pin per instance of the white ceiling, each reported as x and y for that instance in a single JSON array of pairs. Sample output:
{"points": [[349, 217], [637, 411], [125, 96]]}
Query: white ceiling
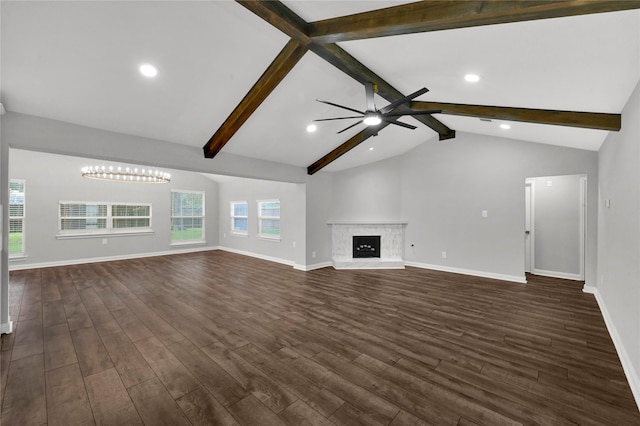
{"points": [[77, 62]]}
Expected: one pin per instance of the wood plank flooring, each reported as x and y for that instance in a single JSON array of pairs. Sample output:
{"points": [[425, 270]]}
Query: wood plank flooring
{"points": [[219, 338]]}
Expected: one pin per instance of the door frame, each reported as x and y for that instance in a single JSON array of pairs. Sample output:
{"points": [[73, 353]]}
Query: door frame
{"points": [[530, 204], [582, 224]]}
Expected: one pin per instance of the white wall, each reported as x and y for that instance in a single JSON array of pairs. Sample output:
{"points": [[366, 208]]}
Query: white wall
{"points": [[557, 211], [292, 219], [618, 287], [51, 178], [443, 187]]}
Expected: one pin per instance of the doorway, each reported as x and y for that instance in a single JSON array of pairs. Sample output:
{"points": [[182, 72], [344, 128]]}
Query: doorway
{"points": [[554, 229]]}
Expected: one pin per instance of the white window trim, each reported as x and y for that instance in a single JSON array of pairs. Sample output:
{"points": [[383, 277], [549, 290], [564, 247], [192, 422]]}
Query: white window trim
{"points": [[23, 254], [268, 237], [232, 217], [189, 242], [109, 230]]}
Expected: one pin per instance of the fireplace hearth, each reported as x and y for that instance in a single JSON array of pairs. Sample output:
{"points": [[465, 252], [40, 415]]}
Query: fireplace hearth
{"points": [[366, 246]]}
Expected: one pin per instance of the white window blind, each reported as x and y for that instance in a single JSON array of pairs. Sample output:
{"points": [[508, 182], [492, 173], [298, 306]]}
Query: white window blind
{"points": [[84, 218], [239, 217], [16, 217]]}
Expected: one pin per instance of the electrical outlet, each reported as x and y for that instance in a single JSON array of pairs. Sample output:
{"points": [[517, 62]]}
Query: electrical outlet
{"points": [[485, 213], [313, 254], [104, 241], [444, 254], [224, 235], [294, 244]]}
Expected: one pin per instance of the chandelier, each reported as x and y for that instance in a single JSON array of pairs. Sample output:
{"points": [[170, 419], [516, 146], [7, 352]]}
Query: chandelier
{"points": [[126, 174]]}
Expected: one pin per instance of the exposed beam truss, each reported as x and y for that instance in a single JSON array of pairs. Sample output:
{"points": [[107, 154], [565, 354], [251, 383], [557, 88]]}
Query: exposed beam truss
{"points": [[321, 36]]}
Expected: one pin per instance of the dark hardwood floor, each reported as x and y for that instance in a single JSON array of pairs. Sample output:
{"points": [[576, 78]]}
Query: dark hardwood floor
{"points": [[219, 338]]}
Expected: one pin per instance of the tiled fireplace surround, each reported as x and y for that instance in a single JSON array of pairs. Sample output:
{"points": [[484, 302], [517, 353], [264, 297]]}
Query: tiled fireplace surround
{"points": [[391, 244]]}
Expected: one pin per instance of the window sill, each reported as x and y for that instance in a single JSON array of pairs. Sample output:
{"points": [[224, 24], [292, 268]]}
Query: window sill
{"points": [[188, 243], [239, 234], [66, 236], [18, 258], [269, 238]]}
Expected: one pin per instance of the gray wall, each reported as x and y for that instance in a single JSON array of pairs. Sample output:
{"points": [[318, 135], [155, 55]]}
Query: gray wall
{"points": [[40, 134], [52, 178], [443, 188], [292, 219], [4, 253], [557, 224], [619, 234], [319, 210], [368, 193]]}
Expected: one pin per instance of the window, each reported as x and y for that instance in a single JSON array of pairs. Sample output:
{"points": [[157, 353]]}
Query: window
{"points": [[269, 219], [85, 218], [16, 218], [187, 217], [239, 217]]}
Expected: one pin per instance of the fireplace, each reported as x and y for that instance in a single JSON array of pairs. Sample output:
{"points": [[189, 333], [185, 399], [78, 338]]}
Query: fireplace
{"points": [[365, 246]]}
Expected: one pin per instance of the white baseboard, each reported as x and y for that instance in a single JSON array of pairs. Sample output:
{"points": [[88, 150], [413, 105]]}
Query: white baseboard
{"points": [[307, 268], [257, 256], [504, 277], [555, 274], [6, 328], [632, 375], [21, 266]]}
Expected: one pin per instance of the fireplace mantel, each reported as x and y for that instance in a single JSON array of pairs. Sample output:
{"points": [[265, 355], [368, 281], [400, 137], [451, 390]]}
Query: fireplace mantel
{"points": [[391, 244]]}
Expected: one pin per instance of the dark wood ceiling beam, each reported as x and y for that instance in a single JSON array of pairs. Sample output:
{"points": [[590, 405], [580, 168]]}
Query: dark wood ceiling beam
{"points": [[444, 15], [281, 17], [346, 63], [269, 80], [345, 147], [587, 120]]}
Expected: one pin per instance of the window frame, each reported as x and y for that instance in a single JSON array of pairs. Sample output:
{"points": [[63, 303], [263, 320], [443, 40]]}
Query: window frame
{"points": [[233, 217], [261, 235], [21, 218], [202, 218], [108, 230]]}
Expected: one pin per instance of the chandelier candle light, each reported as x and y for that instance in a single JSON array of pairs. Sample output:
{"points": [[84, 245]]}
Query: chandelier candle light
{"points": [[126, 174]]}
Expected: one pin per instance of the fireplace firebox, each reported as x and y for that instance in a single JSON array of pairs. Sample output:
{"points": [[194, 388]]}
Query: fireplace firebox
{"points": [[366, 246]]}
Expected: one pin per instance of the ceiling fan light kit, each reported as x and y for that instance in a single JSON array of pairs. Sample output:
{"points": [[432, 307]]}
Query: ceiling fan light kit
{"points": [[373, 116]]}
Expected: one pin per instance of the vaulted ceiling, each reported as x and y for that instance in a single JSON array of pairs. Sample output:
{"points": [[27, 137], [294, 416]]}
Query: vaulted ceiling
{"points": [[243, 77]]}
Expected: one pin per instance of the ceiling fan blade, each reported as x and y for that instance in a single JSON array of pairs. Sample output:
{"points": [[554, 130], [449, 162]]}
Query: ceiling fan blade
{"points": [[340, 106], [396, 104], [368, 88], [426, 111], [338, 118], [347, 128], [401, 124]]}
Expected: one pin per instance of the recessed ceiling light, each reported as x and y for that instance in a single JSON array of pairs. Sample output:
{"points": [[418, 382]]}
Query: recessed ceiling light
{"points": [[148, 70], [472, 78], [312, 128], [505, 126], [371, 149]]}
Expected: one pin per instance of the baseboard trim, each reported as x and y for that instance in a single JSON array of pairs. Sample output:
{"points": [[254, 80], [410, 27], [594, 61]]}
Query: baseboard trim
{"points": [[22, 266], [6, 328], [555, 274], [632, 375], [483, 274], [307, 268], [258, 256]]}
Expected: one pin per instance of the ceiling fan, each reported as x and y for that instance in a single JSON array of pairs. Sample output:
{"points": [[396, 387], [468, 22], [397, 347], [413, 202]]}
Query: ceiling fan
{"points": [[373, 116]]}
